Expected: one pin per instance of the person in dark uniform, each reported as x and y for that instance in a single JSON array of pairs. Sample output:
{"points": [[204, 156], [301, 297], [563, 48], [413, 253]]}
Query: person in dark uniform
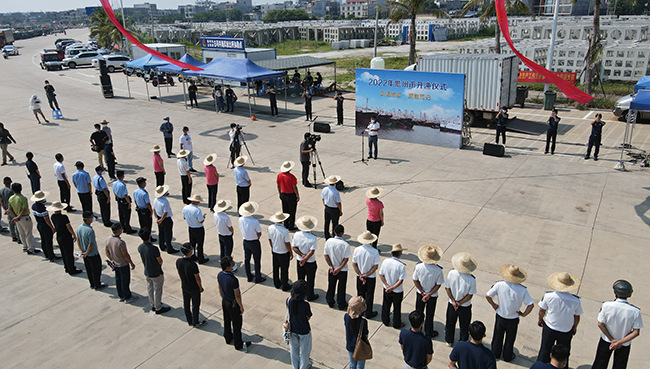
{"points": [[110, 159], [167, 129], [123, 203], [5, 140], [34, 174], [51, 96], [44, 225], [307, 97], [339, 108], [273, 100], [305, 159], [103, 196], [559, 358], [65, 236], [83, 184], [551, 133], [188, 271], [230, 99], [192, 89], [594, 138], [502, 120], [231, 304], [143, 204]]}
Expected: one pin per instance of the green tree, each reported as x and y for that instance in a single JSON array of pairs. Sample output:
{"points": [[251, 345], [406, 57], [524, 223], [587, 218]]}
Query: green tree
{"points": [[488, 10], [104, 30], [171, 18], [595, 52], [401, 9]]}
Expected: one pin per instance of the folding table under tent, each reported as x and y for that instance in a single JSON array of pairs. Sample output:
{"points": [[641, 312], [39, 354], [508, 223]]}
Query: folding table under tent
{"points": [[145, 63]]}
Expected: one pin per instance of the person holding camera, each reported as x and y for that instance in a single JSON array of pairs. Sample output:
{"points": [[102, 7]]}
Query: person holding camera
{"points": [[306, 147], [502, 120], [98, 140], [551, 133], [235, 143]]}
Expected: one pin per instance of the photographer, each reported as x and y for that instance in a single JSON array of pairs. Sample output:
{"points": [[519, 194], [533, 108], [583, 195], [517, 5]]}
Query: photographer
{"points": [[235, 143], [306, 147], [502, 120]]}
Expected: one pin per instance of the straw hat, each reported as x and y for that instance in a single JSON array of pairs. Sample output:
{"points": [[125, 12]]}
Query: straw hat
{"points": [[430, 254], [464, 262], [397, 247], [332, 180], [39, 196], [512, 273], [156, 148], [279, 217], [182, 154], [195, 198], [306, 223], [287, 166], [221, 205], [248, 208], [240, 161], [210, 159], [563, 281], [366, 238], [103, 122], [161, 191], [374, 192], [57, 206], [356, 307]]}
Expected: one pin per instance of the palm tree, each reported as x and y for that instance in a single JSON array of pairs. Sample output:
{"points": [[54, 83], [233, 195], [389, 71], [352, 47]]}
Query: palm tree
{"points": [[489, 11], [104, 30], [401, 9], [595, 52]]}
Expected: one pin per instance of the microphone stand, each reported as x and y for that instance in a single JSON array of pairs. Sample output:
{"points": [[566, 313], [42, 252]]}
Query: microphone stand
{"points": [[363, 159]]}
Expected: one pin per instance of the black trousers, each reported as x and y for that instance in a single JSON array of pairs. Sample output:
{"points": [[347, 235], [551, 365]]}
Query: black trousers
{"points": [[191, 305], [305, 172], [124, 213], [243, 195], [193, 100], [429, 309], [341, 279], [594, 141], [232, 322], [86, 200], [94, 270], [274, 106], [212, 195], [308, 274], [66, 245], [64, 193], [197, 238], [551, 337], [501, 130], [104, 208], [110, 163], [168, 145], [464, 316], [374, 228], [225, 245], [144, 218], [289, 206], [186, 189], [308, 111], [47, 240], [160, 178], [230, 105], [339, 116], [394, 299], [35, 182], [508, 328], [235, 150], [551, 135], [281, 270], [122, 281], [603, 353], [253, 249], [331, 216], [367, 291], [52, 101], [165, 234]]}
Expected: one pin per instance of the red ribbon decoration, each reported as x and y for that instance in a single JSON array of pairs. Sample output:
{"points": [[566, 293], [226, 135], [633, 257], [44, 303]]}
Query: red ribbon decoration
{"points": [[111, 16], [569, 90]]}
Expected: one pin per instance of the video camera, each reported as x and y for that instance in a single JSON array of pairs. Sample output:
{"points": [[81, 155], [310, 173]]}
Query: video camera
{"points": [[312, 139]]}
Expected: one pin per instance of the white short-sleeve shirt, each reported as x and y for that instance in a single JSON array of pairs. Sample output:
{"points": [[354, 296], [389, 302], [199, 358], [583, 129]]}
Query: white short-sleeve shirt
{"points": [[305, 241], [241, 177], [249, 228], [331, 196], [279, 236], [59, 171], [222, 221], [511, 296], [161, 206], [366, 257], [560, 310], [393, 270], [337, 249], [620, 318], [186, 141], [193, 216], [182, 166], [429, 276], [461, 285]]}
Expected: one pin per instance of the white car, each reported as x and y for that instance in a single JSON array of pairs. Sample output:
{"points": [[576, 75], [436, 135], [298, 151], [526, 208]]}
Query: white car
{"points": [[10, 50], [622, 108], [83, 58], [113, 62]]}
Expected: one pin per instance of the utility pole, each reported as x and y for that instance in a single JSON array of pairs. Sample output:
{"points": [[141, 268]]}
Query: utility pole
{"points": [[376, 26], [125, 42], [549, 59]]}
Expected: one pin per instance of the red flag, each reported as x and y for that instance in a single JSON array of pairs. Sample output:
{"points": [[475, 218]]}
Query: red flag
{"points": [[569, 90]]}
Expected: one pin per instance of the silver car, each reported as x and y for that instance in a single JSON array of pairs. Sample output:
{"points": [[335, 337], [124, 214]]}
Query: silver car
{"points": [[83, 58], [622, 108]]}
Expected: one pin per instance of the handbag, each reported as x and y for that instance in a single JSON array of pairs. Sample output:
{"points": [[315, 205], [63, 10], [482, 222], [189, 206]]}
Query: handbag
{"points": [[362, 349], [286, 327]]}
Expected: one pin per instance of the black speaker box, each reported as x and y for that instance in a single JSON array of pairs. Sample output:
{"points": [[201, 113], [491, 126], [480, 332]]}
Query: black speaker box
{"points": [[494, 149], [105, 80], [107, 91], [102, 67], [322, 127]]}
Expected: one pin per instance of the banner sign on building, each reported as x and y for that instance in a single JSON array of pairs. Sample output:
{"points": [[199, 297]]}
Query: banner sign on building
{"points": [[411, 106], [534, 77], [222, 43]]}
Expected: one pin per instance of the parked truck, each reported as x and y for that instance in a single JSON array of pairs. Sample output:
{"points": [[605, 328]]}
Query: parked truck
{"points": [[490, 80], [6, 37]]}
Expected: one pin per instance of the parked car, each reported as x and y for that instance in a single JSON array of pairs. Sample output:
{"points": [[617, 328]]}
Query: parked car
{"points": [[74, 49], [622, 108], [83, 58], [50, 60], [113, 62], [61, 45], [10, 50]]}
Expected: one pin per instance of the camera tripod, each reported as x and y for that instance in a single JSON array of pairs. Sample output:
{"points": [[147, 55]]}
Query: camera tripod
{"points": [[240, 135], [314, 159]]}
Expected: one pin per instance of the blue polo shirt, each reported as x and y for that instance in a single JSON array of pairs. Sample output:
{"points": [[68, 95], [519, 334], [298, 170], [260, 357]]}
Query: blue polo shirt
{"points": [[141, 198], [119, 189], [86, 235], [416, 348], [99, 183], [81, 179], [470, 355], [228, 284]]}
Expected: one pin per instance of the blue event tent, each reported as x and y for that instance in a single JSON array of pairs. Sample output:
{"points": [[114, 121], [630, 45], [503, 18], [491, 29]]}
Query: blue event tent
{"points": [[642, 100], [230, 69], [146, 62], [643, 84], [187, 59]]}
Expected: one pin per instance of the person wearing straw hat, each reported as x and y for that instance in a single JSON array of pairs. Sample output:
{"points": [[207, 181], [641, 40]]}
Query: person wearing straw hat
{"points": [[460, 288], [167, 128], [162, 211], [280, 242], [304, 245], [375, 219], [44, 225], [365, 262], [186, 175], [353, 322], [332, 202], [392, 274], [428, 278], [559, 314], [83, 184], [107, 130], [212, 179], [194, 219], [97, 141], [242, 180], [287, 185], [65, 236], [511, 295], [124, 202], [62, 181], [251, 232], [224, 229], [143, 204], [619, 322], [337, 255], [186, 144], [158, 165], [19, 210], [103, 196], [90, 252]]}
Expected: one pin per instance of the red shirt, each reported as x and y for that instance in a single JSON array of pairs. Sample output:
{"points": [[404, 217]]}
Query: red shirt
{"points": [[211, 175], [286, 181], [157, 163], [374, 206]]}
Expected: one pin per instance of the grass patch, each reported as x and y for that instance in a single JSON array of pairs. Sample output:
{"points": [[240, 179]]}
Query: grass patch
{"points": [[487, 32], [293, 47]]}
